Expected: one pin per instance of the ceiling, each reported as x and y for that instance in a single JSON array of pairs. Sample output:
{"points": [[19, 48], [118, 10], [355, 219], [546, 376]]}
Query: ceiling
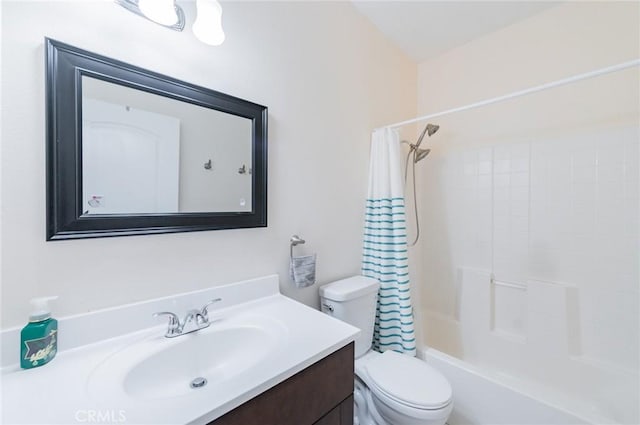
{"points": [[425, 29]]}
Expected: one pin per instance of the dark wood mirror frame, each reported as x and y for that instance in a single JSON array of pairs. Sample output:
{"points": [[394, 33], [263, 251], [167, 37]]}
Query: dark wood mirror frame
{"points": [[65, 67]]}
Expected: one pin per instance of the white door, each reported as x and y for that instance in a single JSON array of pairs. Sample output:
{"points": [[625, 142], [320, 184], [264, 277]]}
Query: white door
{"points": [[130, 160]]}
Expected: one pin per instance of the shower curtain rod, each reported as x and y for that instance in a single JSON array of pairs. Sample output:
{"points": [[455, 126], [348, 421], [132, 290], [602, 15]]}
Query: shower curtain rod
{"points": [[557, 83]]}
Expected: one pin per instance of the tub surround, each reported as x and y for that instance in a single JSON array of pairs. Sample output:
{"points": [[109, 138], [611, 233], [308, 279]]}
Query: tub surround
{"points": [[91, 340], [543, 192]]}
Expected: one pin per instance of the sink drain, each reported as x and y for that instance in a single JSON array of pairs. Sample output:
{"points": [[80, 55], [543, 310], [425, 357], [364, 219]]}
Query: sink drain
{"points": [[198, 382]]}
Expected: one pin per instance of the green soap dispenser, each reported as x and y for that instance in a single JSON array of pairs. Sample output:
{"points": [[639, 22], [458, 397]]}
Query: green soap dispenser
{"points": [[39, 339]]}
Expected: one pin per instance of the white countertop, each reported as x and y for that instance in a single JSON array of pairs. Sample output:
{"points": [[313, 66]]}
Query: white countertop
{"points": [[58, 393]]}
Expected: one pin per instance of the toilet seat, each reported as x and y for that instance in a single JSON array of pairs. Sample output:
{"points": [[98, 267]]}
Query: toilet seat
{"points": [[399, 379]]}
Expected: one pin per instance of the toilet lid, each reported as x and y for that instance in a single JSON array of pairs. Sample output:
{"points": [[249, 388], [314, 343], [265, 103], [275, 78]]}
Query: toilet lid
{"points": [[409, 381]]}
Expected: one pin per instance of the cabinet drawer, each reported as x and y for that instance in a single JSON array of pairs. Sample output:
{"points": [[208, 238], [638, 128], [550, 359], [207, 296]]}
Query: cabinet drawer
{"points": [[304, 398]]}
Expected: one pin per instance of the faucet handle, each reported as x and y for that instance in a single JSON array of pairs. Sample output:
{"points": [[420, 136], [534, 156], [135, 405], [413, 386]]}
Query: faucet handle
{"points": [[174, 321], [205, 309]]}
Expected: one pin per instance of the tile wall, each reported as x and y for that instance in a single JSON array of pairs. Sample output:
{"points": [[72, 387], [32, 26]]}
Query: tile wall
{"points": [[555, 220]]}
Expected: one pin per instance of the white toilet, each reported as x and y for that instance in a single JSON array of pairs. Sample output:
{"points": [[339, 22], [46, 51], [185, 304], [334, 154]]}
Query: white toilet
{"points": [[390, 388]]}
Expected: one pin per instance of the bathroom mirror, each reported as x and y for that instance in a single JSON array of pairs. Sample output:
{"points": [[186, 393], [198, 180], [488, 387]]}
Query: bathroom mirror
{"points": [[130, 151]]}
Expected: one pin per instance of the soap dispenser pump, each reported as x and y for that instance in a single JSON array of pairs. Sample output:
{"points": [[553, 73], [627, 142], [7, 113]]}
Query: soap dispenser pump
{"points": [[39, 339]]}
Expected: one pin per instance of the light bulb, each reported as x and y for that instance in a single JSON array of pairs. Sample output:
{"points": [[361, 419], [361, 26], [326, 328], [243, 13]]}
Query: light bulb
{"points": [[160, 11], [208, 24]]}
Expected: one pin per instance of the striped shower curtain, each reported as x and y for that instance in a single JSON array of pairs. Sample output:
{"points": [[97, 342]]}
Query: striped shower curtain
{"points": [[385, 255]]}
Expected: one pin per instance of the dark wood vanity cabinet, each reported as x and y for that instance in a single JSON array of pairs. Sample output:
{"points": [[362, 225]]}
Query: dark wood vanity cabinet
{"points": [[321, 394]]}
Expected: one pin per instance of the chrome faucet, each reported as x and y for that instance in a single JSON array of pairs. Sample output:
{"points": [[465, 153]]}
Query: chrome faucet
{"points": [[193, 321]]}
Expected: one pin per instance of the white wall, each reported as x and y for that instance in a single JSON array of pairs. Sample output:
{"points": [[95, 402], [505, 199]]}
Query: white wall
{"points": [[543, 188], [328, 78]]}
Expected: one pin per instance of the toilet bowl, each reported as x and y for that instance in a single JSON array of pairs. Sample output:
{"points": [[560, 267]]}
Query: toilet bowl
{"points": [[390, 388], [394, 389]]}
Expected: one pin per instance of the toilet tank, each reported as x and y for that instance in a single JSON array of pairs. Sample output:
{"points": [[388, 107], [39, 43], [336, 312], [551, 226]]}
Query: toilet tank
{"points": [[353, 300]]}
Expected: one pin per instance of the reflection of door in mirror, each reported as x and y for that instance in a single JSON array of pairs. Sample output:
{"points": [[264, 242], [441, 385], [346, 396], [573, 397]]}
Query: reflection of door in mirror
{"points": [[130, 160]]}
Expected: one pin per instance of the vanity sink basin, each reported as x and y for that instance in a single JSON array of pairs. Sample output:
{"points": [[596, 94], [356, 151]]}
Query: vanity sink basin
{"points": [[159, 368]]}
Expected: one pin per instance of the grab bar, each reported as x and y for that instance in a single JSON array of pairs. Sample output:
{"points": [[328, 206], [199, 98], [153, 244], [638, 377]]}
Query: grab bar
{"points": [[508, 284]]}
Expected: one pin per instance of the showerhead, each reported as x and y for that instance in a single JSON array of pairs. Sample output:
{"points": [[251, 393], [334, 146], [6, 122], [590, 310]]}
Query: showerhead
{"points": [[420, 154], [430, 129]]}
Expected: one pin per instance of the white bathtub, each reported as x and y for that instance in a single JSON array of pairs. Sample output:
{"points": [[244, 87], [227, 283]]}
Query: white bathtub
{"points": [[482, 399], [521, 360]]}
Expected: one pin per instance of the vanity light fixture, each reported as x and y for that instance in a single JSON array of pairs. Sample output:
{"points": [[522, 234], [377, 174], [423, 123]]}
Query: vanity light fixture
{"points": [[162, 12], [207, 26], [158, 11]]}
